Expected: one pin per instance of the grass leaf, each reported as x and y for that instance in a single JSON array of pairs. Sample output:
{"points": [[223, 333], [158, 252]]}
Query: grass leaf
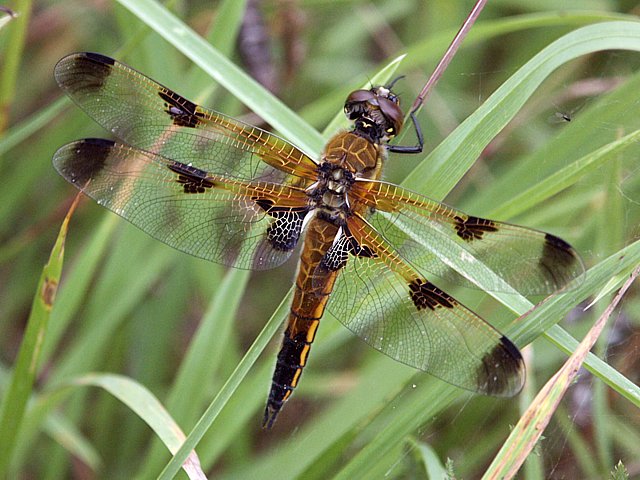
{"points": [[14, 402]]}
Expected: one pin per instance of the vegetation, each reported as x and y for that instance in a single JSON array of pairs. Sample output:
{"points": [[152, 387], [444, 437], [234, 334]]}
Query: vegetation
{"points": [[535, 122]]}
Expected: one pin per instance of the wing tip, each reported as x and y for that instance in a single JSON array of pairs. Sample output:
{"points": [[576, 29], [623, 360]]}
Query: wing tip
{"points": [[83, 71], [97, 58], [561, 262], [502, 372], [79, 162], [82, 56]]}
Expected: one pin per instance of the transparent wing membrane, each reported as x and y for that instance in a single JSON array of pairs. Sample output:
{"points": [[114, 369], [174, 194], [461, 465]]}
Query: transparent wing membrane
{"points": [[229, 222], [147, 115], [531, 261], [400, 313]]}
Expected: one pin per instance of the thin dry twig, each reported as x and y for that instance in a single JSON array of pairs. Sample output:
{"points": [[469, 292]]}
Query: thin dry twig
{"points": [[448, 55]]}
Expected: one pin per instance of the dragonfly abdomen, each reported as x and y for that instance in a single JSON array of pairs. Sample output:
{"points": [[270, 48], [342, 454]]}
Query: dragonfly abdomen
{"points": [[313, 287], [289, 365]]}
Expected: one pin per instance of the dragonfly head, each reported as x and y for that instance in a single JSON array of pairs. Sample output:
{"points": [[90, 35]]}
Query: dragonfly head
{"points": [[375, 112]]}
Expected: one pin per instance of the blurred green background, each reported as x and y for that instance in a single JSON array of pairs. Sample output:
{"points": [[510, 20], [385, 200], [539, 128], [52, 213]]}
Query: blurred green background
{"points": [[178, 326]]}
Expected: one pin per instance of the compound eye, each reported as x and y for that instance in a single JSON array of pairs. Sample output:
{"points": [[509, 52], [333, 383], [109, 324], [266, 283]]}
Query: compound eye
{"points": [[357, 103], [358, 96], [393, 113]]}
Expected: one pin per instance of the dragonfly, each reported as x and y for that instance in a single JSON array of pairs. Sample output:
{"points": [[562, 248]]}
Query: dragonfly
{"points": [[229, 192]]}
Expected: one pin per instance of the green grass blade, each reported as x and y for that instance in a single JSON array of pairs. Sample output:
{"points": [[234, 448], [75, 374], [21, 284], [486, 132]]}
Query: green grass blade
{"points": [[24, 130], [564, 177], [605, 372], [601, 122], [42, 417], [115, 295], [228, 389], [15, 400], [378, 381], [595, 37], [223, 36], [415, 411], [225, 32], [203, 358], [433, 467], [74, 290], [212, 336], [12, 58], [144, 404], [428, 52], [443, 168], [484, 30], [543, 319], [69, 437]]}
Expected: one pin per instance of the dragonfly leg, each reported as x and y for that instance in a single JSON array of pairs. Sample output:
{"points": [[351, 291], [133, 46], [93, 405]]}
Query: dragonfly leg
{"points": [[406, 148]]}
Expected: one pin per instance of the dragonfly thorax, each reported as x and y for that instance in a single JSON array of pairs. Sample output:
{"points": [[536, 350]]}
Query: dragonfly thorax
{"points": [[330, 191], [338, 180]]}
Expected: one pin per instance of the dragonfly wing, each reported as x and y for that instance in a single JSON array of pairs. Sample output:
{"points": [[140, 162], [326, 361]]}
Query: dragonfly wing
{"points": [[396, 310], [530, 261], [149, 116], [251, 225]]}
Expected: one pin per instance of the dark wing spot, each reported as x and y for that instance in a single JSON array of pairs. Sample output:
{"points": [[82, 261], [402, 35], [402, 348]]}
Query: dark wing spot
{"points": [[191, 178], [99, 58], [95, 68], [283, 234], [473, 228], [558, 244], [502, 370], [182, 111], [558, 260], [425, 294], [88, 160]]}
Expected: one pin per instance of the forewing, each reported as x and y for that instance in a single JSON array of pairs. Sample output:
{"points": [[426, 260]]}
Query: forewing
{"points": [[151, 117], [396, 310], [251, 225], [528, 260]]}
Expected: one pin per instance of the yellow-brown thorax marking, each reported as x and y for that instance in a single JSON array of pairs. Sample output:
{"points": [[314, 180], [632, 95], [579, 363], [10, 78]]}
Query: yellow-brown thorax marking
{"points": [[352, 152]]}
